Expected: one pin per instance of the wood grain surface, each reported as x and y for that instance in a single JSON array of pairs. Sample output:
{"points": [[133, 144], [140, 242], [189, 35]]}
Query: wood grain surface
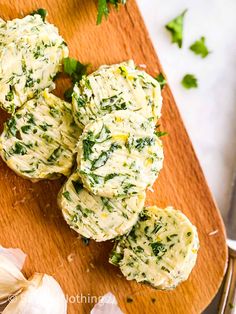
{"points": [[30, 219]]}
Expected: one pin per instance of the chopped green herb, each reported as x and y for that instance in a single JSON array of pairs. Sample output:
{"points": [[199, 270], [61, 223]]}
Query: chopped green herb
{"points": [[189, 81], [129, 300], [161, 79], [176, 29], [231, 306], [116, 257], [55, 155], [42, 12], [158, 248], [153, 300], [66, 194], [110, 176], [25, 128], [19, 149], [199, 47], [11, 124], [104, 156], [160, 133], [87, 148], [143, 216]]}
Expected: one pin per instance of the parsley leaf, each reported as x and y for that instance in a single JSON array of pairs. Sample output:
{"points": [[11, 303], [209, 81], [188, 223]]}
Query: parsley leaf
{"points": [[42, 12], [75, 70], [103, 9], [161, 80], [189, 81], [176, 29], [199, 47]]}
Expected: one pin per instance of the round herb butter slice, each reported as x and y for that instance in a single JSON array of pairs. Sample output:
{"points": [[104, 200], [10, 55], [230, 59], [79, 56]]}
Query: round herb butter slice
{"points": [[116, 87], [97, 217], [119, 155], [160, 250], [31, 54], [39, 140]]}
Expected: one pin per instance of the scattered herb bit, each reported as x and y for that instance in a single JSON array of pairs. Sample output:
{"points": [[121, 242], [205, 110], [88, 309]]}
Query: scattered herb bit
{"points": [[160, 133], [176, 29], [199, 47], [85, 241], [66, 194], [189, 81], [153, 300], [103, 9], [129, 300], [116, 258], [161, 79], [42, 12], [189, 234]]}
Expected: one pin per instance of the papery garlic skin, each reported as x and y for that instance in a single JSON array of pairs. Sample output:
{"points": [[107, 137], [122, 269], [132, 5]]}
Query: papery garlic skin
{"points": [[43, 296], [12, 280], [16, 256], [107, 305]]}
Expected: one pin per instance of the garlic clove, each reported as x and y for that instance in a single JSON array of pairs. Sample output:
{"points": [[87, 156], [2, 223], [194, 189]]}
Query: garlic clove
{"points": [[107, 305], [16, 256], [42, 296], [12, 280]]}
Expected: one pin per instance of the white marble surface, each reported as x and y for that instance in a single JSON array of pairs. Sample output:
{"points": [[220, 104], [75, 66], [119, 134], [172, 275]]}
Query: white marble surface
{"points": [[209, 112]]}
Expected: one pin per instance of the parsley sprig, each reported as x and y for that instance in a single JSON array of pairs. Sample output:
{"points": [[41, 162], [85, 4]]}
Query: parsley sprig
{"points": [[75, 69], [103, 8]]}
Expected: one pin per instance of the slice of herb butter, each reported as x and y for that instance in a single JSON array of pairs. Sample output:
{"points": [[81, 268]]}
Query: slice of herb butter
{"points": [[39, 140], [116, 87], [31, 54], [119, 154], [160, 250], [97, 217]]}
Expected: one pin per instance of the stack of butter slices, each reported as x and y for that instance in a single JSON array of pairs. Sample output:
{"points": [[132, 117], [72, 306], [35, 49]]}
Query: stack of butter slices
{"points": [[105, 142], [119, 154]]}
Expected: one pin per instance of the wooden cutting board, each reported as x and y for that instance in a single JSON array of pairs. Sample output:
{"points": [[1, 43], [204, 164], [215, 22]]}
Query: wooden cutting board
{"points": [[30, 219]]}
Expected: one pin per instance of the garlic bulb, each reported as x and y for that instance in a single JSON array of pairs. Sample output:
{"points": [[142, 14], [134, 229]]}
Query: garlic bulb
{"points": [[16, 256], [107, 305], [43, 295], [12, 280]]}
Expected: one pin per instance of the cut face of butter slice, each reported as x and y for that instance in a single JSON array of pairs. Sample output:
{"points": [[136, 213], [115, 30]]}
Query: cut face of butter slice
{"points": [[116, 87], [97, 217], [160, 250], [31, 54], [119, 155], [38, 141]]}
